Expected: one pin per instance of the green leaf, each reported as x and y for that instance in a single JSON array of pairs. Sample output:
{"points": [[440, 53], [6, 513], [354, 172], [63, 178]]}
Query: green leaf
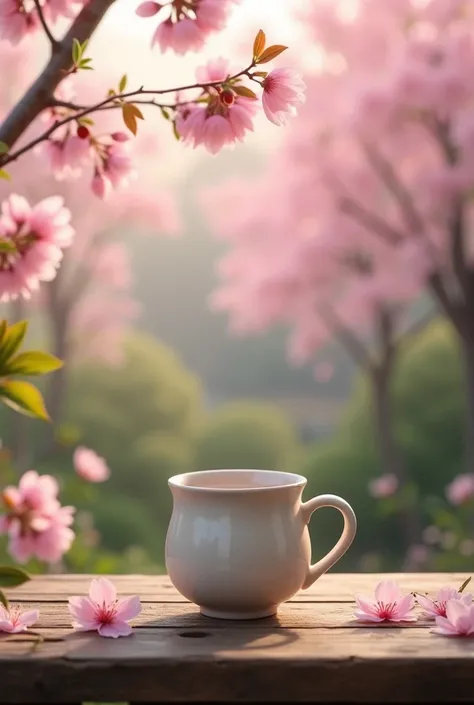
{"points": [[245, 92], [83, 62], [165, 113], [123, 83], [465, 584], [85, 121], [12, 340], [10, 576], [25, 398], [86, 68], [76, 50], [3, 148], [175, 132], [3, 600], [84, 47], [4, 175], [34, 362]]}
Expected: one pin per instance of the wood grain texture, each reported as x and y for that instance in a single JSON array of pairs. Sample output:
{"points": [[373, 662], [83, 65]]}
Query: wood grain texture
{"points": [[313, 651], [332, 587]]}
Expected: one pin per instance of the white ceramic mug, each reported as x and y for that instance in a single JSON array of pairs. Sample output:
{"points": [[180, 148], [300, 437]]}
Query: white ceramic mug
{"points": [[238, 543]]}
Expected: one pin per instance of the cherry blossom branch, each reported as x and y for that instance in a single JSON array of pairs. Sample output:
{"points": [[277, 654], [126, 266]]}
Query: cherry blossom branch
{"points": [[386, 171], [396, 187], [54, 42], [37, 97], [112, 101]]}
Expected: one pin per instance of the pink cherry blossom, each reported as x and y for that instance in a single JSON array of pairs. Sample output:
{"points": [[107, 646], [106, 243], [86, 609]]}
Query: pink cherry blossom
{"points": [[56, 9], [461, 489], [384, 486], [436, 607], [36, 524], [181, 37], [16, 20], [222, 121], [185, 26], [102, 611], [90, 466], [67, 156], [459, 619], [35, 237], [389, 605], [14, 620], [283, 90]]}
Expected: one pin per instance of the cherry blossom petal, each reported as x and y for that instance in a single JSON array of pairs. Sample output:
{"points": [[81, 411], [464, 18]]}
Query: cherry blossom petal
{"points": [[102, 591]]}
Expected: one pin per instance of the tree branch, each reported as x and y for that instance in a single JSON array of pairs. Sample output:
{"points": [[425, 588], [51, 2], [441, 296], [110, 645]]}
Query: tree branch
{"points": [[39, 94], [54, 42], [371, 221], [347, 339], [112, 101]]}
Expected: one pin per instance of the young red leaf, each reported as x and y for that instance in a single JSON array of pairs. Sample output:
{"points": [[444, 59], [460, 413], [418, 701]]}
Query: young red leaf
{"points": [[259, 43], [271, 53], [129, 117], [136, 111]]}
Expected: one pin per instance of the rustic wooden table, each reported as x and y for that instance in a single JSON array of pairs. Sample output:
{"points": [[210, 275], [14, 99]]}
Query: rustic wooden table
{"points": [[313, 651]]}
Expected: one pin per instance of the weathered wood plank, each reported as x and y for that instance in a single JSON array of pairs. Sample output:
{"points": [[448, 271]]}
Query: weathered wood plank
{"points": [[356, 665], [291, 615], [332, 587]]}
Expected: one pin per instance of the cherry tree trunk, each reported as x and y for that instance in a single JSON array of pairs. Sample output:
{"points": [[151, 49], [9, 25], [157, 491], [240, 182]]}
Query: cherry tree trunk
{"points": [[466, 342]]}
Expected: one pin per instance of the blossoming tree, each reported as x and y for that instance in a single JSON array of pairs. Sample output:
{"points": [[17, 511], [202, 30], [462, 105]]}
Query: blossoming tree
{"points": [[378, 171], [51, 119]]}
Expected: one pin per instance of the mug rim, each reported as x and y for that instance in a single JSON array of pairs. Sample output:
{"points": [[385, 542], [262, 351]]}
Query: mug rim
{"points": [[177, 480]]}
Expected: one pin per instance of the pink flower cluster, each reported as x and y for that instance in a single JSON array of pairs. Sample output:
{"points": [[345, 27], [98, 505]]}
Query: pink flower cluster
{"points": [[19, 18], [461, 489], [70, 152], [101, 612], [452, 609], [32, 239], [226, 116], [383, 486], [90, 466], [185, 26], [36, 524]]}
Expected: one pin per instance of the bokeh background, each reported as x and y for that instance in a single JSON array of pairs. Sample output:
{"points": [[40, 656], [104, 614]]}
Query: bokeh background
{"points": [[158, 382]]}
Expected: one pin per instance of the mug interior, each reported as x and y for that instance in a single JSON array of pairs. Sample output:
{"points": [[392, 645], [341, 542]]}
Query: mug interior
{"points": [[249, 480]]}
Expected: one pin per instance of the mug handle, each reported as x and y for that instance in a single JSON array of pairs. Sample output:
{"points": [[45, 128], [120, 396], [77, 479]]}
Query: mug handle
{"points": [[348, 533]]}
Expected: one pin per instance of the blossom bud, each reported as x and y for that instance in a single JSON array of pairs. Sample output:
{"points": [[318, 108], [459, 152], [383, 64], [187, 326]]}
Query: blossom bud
{"points": [[148, 9], [119, 137], [227, 97], [83, 132]]}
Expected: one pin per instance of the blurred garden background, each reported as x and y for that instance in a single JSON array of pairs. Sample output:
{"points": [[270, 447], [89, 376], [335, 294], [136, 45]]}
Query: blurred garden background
{"points": [[303, 302]]}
